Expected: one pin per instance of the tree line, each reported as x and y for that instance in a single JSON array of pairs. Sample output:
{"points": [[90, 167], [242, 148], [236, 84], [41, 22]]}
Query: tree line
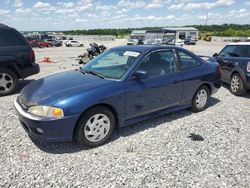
{"points": [[233, 30]]}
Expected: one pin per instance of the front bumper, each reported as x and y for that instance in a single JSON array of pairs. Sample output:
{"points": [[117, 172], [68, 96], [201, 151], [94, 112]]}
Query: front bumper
{"points": [[29, 71], [53, 130]]}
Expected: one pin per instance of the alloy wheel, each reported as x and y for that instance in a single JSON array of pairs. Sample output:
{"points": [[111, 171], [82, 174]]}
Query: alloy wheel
{"points": [[235, 83], [6, 82]]}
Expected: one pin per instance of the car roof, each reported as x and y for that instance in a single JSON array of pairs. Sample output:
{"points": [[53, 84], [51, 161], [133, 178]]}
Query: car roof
{"points": [[145, 48], [239, 43], [3, 26]]}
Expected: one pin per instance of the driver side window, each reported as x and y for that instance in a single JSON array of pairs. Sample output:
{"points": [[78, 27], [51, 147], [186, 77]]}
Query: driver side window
{"points": [[159, 63]]}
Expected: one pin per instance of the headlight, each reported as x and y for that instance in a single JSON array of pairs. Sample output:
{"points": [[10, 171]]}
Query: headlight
{"points": [[46, 111]]}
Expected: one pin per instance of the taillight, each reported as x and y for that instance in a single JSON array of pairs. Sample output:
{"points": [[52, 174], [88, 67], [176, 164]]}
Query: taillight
{"points": [[248, 66], [32, 56]]}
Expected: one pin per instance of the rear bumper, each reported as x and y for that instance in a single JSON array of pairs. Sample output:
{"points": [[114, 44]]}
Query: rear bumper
{"points": [[215, 86], [29, 71], [45, 129]]}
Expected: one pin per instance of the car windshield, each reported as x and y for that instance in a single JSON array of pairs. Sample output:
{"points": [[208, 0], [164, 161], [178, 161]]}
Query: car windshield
{"points": [[112, 64]]}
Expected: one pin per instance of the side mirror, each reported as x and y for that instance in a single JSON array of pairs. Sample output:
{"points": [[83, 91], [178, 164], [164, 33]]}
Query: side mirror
{"points": [[215, 55], [140, 75]]}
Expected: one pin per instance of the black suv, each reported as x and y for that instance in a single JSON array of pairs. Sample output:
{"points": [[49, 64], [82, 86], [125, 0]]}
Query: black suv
{"points": [[234, 59], [17, 59]]}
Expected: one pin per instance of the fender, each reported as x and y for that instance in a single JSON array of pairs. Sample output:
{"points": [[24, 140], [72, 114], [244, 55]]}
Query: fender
{"points": [[11, 62], [239, 71]]}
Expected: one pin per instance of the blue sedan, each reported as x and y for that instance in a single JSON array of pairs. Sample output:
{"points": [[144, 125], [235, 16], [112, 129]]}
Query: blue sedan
{"points": [[120, 87]]}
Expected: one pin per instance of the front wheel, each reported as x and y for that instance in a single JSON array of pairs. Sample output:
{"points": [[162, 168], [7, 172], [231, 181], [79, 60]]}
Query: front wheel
{"points": [[200, 99], [95, 127], [236, 85]]}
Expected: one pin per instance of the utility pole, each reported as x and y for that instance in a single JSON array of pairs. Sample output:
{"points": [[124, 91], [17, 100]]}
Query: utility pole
{"points": [[206, 17]]}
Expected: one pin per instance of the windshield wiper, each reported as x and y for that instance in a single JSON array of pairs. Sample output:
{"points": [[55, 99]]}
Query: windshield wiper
{"points": [[83, 71], [95, 74]]}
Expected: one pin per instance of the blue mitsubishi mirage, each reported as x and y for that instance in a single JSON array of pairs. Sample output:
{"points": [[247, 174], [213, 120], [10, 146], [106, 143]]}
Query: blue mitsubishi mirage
{"points": [[120, 87]]}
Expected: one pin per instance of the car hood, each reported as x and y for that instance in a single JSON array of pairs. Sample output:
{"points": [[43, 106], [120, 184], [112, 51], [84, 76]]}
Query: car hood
{"points": [[49, 90]]}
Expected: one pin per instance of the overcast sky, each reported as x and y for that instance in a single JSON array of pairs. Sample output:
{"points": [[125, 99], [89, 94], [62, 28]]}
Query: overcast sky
{"points": [[29, 15]]}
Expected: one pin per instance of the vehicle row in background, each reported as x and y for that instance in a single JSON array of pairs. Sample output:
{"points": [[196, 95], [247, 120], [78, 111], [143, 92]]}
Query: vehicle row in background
{"points": [[165, 36], [44, 43]]}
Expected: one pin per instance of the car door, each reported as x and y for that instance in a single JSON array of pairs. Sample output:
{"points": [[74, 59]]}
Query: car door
{"points": [[226, 61], [160, 90], [190, 75]]}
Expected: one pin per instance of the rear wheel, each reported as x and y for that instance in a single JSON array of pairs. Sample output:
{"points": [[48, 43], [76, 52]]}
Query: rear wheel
{"points": [[236, 85], [95, 127], [8, 81], [200, 99]]}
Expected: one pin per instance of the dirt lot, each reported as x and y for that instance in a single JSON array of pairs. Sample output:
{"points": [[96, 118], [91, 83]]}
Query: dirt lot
{"points": [[156, 153]]}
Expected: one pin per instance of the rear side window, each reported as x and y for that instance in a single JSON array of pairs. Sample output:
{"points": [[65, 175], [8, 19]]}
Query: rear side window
{"points": [[11, 38], [242, 51], [236, 51], [187, 61]]}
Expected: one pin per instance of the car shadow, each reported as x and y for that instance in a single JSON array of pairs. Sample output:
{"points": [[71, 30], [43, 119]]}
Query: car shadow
{"points": [[151, 123], [74, 147], [246, 95]]}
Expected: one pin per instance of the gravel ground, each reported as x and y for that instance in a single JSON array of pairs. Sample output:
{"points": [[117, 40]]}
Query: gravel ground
{"points": [[182, 149]]}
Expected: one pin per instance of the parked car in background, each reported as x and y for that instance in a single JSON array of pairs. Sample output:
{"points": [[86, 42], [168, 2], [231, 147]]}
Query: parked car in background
{"points": [[73, 43], [53, 42], [179, 42], [39, 43], [17, 59], [189, 41], [234, 60], [120, 87], [132, 41]]}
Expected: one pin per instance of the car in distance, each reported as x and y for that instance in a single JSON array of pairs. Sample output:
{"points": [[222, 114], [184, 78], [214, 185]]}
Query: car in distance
{"points": [[189, 41], [73, 43], [234, 59], [17, 59], [53, 42], [120, 87], [39, 43]]}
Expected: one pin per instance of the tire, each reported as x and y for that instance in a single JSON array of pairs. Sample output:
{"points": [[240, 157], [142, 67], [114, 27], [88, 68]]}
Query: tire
{"points": [[8, 82], [101, 131], [91, 56], [236, 85], [200, 99]]}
